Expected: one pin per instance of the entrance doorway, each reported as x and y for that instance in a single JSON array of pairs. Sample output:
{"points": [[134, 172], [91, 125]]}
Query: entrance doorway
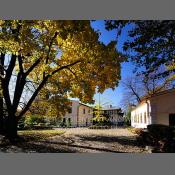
{"points": [[171, 119]]}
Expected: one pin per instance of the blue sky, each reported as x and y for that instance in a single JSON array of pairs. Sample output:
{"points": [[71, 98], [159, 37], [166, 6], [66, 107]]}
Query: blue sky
{"points": [[113, 97]]}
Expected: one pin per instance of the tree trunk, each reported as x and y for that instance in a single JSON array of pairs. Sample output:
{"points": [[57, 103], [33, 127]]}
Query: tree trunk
{"points": [[1, 115], [1, 125], [10, 127], [2, 57]]}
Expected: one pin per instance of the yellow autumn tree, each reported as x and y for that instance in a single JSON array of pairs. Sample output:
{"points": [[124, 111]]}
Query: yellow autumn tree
{"points": [[47, 54]]}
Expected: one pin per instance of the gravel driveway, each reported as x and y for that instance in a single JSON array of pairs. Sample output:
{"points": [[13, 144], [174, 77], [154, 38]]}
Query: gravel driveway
{"points": [[96, 141], [83, 140]]}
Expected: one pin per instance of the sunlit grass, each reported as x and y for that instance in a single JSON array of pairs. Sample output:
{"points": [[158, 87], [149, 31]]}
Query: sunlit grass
{"points": [[39, 134]]}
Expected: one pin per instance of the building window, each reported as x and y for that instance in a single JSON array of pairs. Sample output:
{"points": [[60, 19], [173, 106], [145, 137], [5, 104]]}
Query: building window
{"points": [[69, 122], [89, 111], [87, 122], [137, 118], [145, 117], [141, 118], [70, 110], [84, 111], [64, 120]]}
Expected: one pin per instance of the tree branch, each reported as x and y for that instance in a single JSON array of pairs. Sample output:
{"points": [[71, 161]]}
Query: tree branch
{"points": [[41, 86], [50, 46], [20, 64], [65, 67], [32, 67], [10, 69]]}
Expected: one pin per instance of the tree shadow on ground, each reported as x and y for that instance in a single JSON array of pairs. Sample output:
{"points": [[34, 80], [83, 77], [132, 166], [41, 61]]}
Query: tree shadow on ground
{"points": [[51, 147], [27, 145], [123, 140], [35, 147], [73, 145]]}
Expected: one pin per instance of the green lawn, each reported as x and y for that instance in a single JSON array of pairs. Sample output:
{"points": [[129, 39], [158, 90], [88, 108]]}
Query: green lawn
{"points": [[39, 134]]}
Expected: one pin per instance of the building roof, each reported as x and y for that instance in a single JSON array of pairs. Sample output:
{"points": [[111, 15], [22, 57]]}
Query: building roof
{"points": [[110, 107], [81, 103], [85, 105], [145, 98]]}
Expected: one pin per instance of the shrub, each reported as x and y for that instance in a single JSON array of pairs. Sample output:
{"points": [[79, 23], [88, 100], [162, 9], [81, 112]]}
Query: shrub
{"points": [[127, 118], [159, 136], [68, 124], [138, 131], [32, 120], [63, 124], [122, 124], [160, 132], [135, 130], [145, 138], [99, 127], [21, 124]]}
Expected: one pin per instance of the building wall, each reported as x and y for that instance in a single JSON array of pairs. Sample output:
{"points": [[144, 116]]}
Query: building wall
{"points": [[140, 116], [157, 108], [161, 107], [85, 115], [115, 118], [74, 113], [77, 115]]}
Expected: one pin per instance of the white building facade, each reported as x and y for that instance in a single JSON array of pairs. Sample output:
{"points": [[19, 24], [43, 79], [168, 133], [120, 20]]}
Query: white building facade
{"points": [[79, 115], [115, 115], [158, 109]]}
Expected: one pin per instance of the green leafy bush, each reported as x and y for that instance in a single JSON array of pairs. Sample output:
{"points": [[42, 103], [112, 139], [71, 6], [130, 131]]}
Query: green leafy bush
{"points": [[33, 120]]}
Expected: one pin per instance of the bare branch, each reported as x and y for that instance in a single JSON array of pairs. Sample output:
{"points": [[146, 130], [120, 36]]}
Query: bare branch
{"points": [[42, 84]]}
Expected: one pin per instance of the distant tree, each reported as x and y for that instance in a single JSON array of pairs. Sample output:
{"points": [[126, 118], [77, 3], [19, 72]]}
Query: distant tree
{"points": [[153, 83], [132, 91], [137, 86], [99, 117], [127, 119]]}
